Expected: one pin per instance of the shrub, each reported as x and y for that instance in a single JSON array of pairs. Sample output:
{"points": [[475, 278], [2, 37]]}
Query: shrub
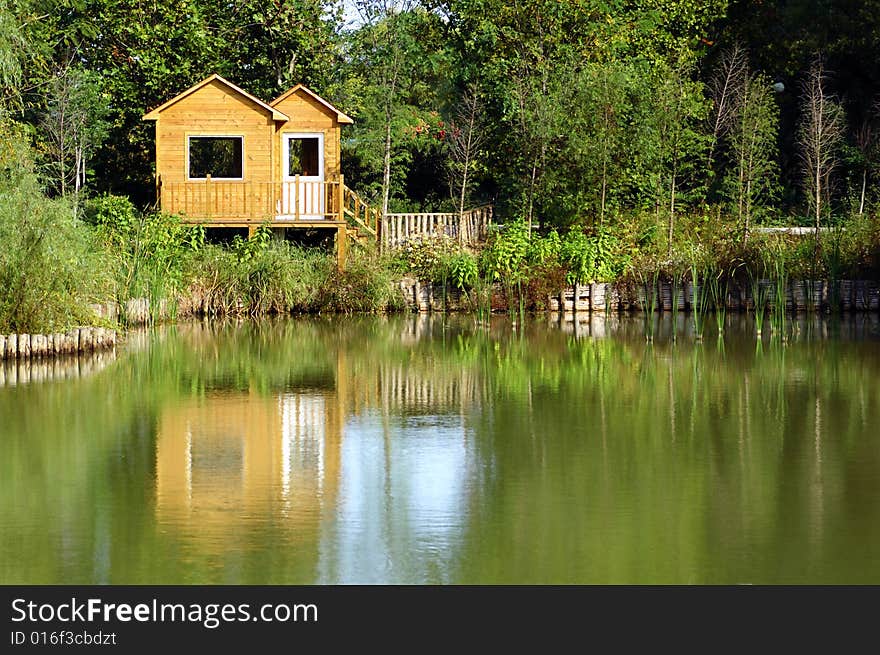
{"points": [[366, 285], [51, 264]]}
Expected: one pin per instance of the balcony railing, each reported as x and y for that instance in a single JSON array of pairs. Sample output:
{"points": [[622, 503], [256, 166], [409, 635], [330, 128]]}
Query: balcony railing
{"points": [[210, 201]]}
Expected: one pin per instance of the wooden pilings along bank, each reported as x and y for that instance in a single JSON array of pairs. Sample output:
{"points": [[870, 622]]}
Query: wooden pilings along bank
{"points": [[33, 371], [24, 347], [800, 296]]}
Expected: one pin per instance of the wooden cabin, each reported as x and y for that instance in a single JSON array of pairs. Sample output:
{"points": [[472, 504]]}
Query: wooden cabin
{"points": [[225, 158]]}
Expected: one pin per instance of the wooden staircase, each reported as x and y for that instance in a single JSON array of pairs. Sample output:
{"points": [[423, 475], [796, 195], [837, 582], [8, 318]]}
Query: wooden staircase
{"points": [[357, 237], [364, 222]]}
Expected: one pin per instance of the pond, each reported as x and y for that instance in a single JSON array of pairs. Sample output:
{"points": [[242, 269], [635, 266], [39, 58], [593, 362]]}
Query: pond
{"points": [[433, 449]]}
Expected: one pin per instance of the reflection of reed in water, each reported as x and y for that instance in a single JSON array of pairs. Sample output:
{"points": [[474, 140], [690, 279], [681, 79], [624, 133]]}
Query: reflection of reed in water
{"points": [[803, 327], [35, 371]]}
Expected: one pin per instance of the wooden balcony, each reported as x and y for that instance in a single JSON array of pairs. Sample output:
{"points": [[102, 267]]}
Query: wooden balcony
{"points": [[231, 203]]}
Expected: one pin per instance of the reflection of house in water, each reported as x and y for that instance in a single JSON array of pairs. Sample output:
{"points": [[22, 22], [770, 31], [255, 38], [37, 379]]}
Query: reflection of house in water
{"points": [[233, 461], [367, 480]]}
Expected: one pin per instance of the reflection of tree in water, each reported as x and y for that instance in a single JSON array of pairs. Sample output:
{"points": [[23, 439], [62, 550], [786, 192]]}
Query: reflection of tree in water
{"points": [[418, 449]]}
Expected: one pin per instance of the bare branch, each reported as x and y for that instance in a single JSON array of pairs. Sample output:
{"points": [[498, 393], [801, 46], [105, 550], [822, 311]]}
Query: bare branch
{"points": [[466, 138], [821, 131], [726, 83]]}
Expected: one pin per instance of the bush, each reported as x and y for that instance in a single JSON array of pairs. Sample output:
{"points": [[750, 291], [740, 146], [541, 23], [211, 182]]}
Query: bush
{"points": [[51, 264], [366, 285]]}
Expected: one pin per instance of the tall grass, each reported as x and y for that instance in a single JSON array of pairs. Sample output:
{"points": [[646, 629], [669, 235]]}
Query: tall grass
{"points": [[780, 279], [700, 301], [650, 300], [51, 265], [281, 278], [760, 293]]}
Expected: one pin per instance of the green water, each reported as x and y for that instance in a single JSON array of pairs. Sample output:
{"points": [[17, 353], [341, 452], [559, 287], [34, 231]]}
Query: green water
{"points": [[433, 450]]}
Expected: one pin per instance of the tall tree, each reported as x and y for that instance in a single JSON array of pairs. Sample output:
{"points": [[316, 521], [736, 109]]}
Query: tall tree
{"points": [[821, 133], [725, 86], [752, 137], [467, 137], [678, 111], [397, 60], [72, 128], [866, 145]]}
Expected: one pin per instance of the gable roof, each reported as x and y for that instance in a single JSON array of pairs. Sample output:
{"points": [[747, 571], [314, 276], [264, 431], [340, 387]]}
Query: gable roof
{"points": [[276, 115], [342, 118]]}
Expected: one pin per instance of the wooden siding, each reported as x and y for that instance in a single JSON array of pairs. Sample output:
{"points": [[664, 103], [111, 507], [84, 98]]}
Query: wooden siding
{"points": [[309, 115], [216, 110]]}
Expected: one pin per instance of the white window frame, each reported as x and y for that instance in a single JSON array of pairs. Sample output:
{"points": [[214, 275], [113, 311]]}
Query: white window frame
{"points": [[215, 136], [285, 153]]}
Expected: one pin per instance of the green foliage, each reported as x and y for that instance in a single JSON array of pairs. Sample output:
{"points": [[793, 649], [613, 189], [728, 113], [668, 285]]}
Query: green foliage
{"points": [[751, 180], [51, 264], [72, 128], [506, 256], [366, 285], [592, 258], [398, 64], [115, 216], [279, 278], [254, 246], [426, 257], [147, 250], [463, 270]]}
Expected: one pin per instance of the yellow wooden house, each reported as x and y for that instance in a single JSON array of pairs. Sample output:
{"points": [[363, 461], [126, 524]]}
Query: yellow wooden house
{"points": [[225, 158]]}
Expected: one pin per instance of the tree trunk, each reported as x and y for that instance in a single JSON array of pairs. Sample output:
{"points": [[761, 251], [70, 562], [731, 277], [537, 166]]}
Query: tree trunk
{"points": [[748, 213], [671, 211], [818, 198], [532, 195], [604, 186], [862, 198], [386, 166], [467, 163]]}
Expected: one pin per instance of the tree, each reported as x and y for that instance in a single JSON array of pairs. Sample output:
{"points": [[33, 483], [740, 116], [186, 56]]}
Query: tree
{"points": [[866, 146], [72, 127], [725, 86], [467, 137], [821, 133], [678, 108], [22, 48], [396, 66], [752, 138]]}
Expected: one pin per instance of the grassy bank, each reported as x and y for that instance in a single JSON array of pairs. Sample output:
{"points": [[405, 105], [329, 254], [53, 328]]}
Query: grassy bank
{"points": [[54, 265], [708, 249]]}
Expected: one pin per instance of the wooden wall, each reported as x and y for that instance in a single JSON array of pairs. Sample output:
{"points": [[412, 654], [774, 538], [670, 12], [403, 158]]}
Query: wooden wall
{"points": [[309, 115], [217, 110]]}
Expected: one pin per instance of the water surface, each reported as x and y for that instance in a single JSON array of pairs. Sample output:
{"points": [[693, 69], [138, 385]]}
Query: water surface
{"points": [[415, 449]]}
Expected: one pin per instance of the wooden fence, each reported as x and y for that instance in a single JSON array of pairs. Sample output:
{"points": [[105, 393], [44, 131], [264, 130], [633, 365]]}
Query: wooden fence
{"points": [[467, 228], [209, 201], [225, 203]]}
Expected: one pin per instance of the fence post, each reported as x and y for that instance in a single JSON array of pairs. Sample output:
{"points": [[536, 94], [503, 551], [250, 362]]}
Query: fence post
{"points": [[208, 205], [340, 201], [296, 196]]}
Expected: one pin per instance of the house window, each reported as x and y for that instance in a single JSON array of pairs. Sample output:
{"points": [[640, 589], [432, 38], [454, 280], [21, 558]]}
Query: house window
{"points": [[217, 156], [302, 156]]}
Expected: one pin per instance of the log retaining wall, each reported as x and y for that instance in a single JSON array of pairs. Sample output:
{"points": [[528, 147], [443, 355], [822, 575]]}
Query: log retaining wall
{"points": [[22, 347], [800, 296]]}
